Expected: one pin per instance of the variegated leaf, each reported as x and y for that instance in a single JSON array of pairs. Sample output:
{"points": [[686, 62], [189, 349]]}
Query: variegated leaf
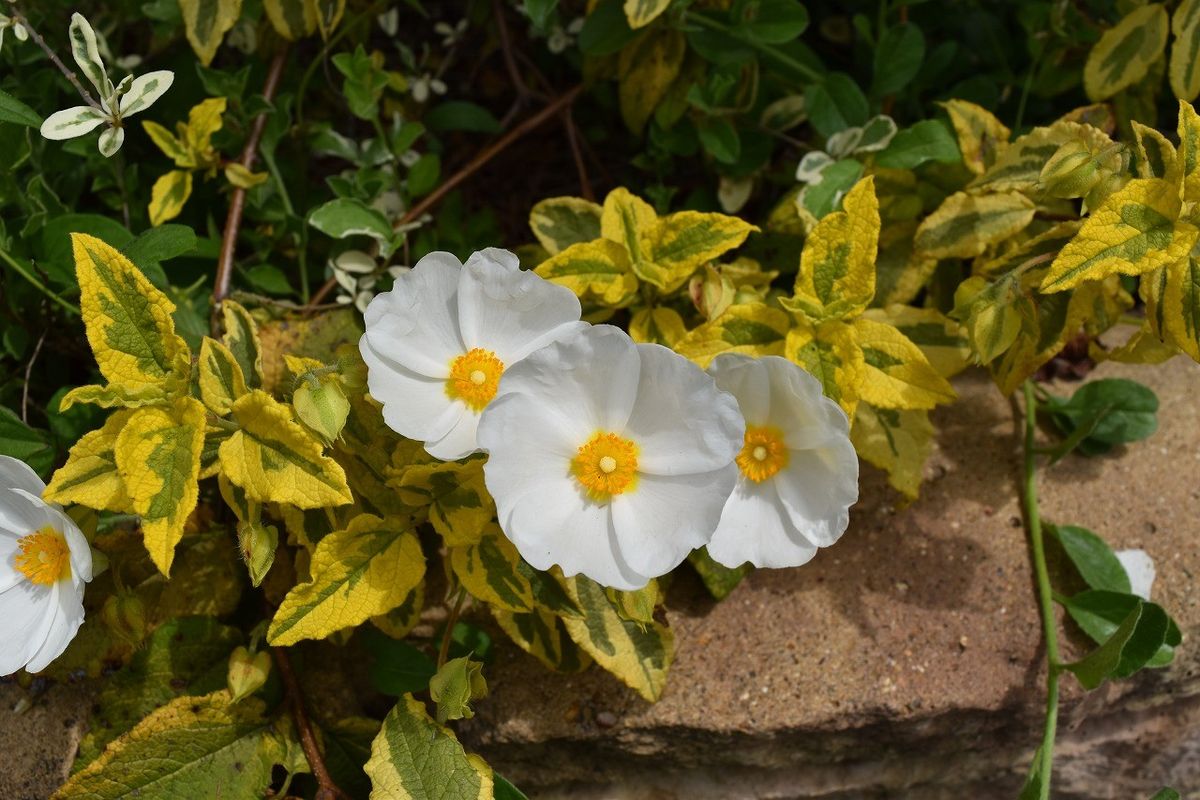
{"points": [[168, 196], [897, 441], [221, 379], [753, 329], [646, 70], [598, 271], [1125, 52], [1180, 305], [460, 507], [1184, 70], [981, 137], [90, 476], [942, 340], [896, 373], [659, 325], [291, 19], [543, 635], [641, 13], [241, 337], [492, 570], [965, 225], [828, 351], [206, 22], [559, 222]]}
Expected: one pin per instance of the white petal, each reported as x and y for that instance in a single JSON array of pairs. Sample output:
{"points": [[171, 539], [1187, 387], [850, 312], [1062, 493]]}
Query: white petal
{"points": [[754, 528], [25, 617], [664, 518], [22, 513], [111, 140], [66, 615], [81, 551], [72, 122], [510, 312], [528, 443], [416, 323], [144, 90], [748, 380], [496, 257], [817, 488], [1140, 569], [682, 423], [16, 474], [459, 441], [559, 525], [414, 405]]}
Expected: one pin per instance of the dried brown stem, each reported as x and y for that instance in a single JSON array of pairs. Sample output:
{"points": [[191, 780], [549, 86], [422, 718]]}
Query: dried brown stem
{"points": [[327, 789], [470, 168], [19, 17], [585, 186], [237, 202]]}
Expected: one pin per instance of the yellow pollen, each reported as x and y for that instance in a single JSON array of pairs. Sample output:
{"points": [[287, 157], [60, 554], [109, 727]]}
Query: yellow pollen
{"points": [[44, 557], [474, 378], [763, 454], [605, 466]]}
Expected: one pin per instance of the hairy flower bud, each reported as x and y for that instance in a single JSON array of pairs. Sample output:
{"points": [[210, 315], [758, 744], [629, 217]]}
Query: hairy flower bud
{"points": [[258, 543], [322, 406], [125, 615], [455, 685], [1072, 171], [247, 672]]}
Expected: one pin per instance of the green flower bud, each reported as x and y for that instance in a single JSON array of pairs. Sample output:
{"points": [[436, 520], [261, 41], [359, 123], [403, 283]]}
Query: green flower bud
{"points": [[258, 543], [322, 406], [1071, 172], [455, 685], [247, 672], [125, 615]]}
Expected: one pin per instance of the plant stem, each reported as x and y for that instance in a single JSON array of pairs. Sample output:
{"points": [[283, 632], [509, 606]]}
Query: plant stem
{"points": [[327, 789], [41, 287], [765, 49], [19, 17], [448, 633], [1045, 592]]}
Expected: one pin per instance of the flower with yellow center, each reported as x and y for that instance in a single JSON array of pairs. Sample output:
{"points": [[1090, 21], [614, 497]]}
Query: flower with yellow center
{"points": [[438, 343], [797, 470], [608, 458], [44, 563]]}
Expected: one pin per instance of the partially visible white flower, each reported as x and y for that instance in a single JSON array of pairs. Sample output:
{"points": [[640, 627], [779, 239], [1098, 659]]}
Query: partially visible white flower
{"points": [[798, 470], [389, 21], [18, 29], [561, 38], [609, 458], [44, 563], [451, 34], [1140, 569], [409, 158], [129, 97], [438, 342], [423, 86]]}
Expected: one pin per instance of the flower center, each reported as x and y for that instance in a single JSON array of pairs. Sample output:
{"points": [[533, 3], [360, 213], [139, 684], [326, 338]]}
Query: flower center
{"points": [[474, 378], [44, 557], [606, 465], [763, 454]]}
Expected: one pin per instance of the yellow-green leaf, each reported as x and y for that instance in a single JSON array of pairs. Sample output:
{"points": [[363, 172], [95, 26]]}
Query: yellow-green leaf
{"points": [[639, 654], [941, 339], [829, 352], [629, 221], [128, 320], [173, 148], [684, 241], [357, 573], [598, 271], [276, 461], [326, 14], [1156, 155], [241, 337], [400, 621], [1189, 150], [1180, 305], [90, 476], [837, 266], [206, 22], [414, 758], [1125, 52], [753, 329], [158, 458], [291, 19], [460, 507], [642, 12], [965, 225], [981, 137], [492, 570], [1020, 166], [559, 222], [1185, 51], [204, 120], [646, 70], [1132, 233], [221, 379], [542, 635], [243, 178], [114, 395], [168, 196], [660, 325], [896, 372], [897, 441]]}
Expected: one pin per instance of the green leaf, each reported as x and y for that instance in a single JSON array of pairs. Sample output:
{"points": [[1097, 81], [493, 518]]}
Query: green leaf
{"points": [[720, 139], [27, 444], [898, 58], [456, 684], [349, 217], [396, 667], [460, 115], [1161, 794], [836, 104], [13, 110], [1098, 613], [423, 175], [606, 30], [1095, 560], [770, 21], [719, 579], [1104, 661], [506, 791], [160, 244], [1118, 411]]}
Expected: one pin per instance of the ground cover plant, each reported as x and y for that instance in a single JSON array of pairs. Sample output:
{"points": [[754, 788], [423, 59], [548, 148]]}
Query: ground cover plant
{"points": [[338, 333]]}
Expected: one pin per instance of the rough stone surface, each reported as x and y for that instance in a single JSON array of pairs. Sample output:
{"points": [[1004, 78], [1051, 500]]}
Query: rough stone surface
{"points": [[906, 661], [38, 737]]}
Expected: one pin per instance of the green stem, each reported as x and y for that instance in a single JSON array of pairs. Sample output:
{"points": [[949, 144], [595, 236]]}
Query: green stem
{"points": [[1045, 592], [41, 287], [766, 49], [448, 633]]}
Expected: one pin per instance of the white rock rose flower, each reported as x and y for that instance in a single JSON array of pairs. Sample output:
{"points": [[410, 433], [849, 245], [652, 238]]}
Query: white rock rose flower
{"points": [[438, 342], [798, 472], [44, 563], [609, 458]]}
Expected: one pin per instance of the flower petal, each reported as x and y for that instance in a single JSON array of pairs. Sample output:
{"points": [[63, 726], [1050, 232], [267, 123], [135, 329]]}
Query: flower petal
{"points": [[754, 527], [682, 423], [72, 122], [817, 488], [459, 441], [416, 323], [414, 405], [25, 617], [664, 518], [529, 444], [144, 90], [65, 617], [16, 474], [748, 380]]}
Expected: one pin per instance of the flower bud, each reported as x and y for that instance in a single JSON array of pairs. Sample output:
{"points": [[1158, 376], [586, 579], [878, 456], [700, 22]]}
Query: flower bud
{"points": [[258, 543], [711, 293], [247, 672], [322, 406], [125, 615], [455, 685], [1071, 172]]}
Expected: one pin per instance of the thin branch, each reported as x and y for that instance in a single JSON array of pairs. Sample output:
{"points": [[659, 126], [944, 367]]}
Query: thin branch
{"points": [[237, 203], [29, 371], [470, 168], [19, 17], [585, 186], [327, 789], [451, 621], [524, 93]]}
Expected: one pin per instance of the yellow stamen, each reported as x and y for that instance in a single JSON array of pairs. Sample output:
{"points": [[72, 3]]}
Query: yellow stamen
{"points": [[44, 557], [763, 454], [606, 466], [474, 378]]}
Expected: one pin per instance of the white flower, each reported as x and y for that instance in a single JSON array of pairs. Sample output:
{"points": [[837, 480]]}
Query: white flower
{"points": [[609, 458], [421, 87], [44, 563], [451, 34], [561, 38], [798, 470], [129, 97], [18, 29], [1140, 569], [438, 342]]}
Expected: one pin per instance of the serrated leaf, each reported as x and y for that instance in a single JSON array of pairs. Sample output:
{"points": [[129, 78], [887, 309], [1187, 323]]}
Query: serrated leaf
{"points": [[357, 573], [981, 137], [460, 507], [206, 22], [1133, 232], [639, 654], [684, 241], [221, 379], [829, 352], [897, 441], [896, 372], [241, 337], [598, 271], [90, 476], [559, 222], [965, 225], [414, 758], [169, 195], [942, 340], [129, 323], [659, 325], [1123, 55], [543, 635], [646, 69], [158, 458], [640, 13], [115, 395], [753, 329], [276, 461]]}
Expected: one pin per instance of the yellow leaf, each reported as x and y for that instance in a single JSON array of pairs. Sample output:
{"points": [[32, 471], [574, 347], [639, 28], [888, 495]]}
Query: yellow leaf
{"points": [[828, 351], [291, 19], [629, 221], [158, 458], [128, 320], [897, 441], [357, 573], [1189, 149], [660, 325], [837, 266], [1132, 233], [1019, 166], [598, 271], [204, 120], [460, 507], [1180, 305], [243, 178], [896, 373], [90, 476], [981, 137], [753, 329], [1125, 52], [642, 12], [114, 395], [168, 196], [221, 379], [241, 337], [684, 241], [400, 621], [941, 339], [900, 273], [1156, 155], [166, 141], [965, 225], [276, 461], [206, 22], [1185, 52], [646, 70], [543, 636], [559, 222]]}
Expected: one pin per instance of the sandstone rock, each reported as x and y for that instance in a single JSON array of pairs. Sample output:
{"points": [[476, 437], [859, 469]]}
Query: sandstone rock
{"points": [[906, 661]]}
